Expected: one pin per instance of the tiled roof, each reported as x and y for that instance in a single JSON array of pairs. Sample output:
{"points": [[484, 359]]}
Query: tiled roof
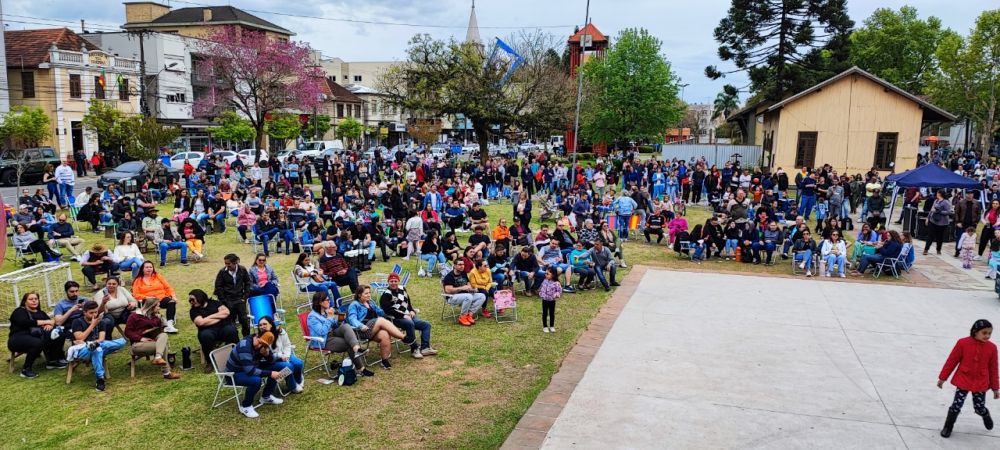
{"points": [[341, 93], [590, 30], [29, 48], [220, 15]]}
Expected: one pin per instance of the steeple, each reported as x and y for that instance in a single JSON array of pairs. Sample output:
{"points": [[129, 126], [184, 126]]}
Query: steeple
{"points": [[472, 35]]}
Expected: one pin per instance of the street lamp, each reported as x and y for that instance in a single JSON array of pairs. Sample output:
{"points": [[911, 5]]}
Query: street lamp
{"points": [[144, 104]]}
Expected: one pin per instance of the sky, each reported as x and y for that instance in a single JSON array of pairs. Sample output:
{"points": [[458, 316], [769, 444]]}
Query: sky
{"points": [[684, 26]]}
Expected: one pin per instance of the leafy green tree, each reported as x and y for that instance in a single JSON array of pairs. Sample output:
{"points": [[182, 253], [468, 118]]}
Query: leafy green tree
{"points": [[109, 123], [282, 127], [898, 47], [632, 92], [317, 126], [726, 102], [966, 83], [23, 127], [233, 128], [784, 46], [349, 128], [148, 137]]}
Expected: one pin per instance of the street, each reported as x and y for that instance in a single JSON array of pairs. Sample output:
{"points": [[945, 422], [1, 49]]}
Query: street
{"points": [[10, 193]]}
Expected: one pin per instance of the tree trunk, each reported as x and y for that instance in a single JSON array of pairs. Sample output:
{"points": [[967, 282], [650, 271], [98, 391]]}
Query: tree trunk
{"points": [[261, 141], [482, 130]]}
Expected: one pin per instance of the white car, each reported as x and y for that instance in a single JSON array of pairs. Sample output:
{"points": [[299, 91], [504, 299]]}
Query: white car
{"points": [[248, 156], [440, 150], [177, 161], [227, 155]]}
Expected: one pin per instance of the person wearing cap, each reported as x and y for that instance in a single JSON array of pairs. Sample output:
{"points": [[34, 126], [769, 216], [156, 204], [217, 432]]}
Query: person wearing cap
{"points": [[97, 260], [250, 362], [145, 330], [395, 301]]}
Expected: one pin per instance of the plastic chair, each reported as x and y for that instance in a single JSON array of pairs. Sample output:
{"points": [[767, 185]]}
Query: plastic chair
{"points": [[265, 305]]}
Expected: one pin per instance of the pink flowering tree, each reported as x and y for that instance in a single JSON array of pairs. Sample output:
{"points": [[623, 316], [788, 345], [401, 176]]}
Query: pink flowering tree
{"points": [[257, 75]]}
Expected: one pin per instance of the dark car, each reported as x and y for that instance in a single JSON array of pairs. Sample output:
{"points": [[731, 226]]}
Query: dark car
{"points": [[34, 161], [125, 173]]}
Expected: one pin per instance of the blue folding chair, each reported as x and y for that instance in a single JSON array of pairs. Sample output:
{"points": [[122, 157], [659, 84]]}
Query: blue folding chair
{"points": [[265, 305]]}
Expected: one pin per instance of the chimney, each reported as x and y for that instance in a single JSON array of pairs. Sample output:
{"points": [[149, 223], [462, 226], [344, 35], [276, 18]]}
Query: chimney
{"points": [[144, 11], [206, 15]]}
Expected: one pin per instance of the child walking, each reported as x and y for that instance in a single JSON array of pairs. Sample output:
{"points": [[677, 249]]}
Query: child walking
{"points": [[975, 358], [967, 245], [549, 292]]}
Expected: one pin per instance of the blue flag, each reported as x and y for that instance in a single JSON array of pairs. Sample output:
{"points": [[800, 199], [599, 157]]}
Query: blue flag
{"points": [[503, 56]]}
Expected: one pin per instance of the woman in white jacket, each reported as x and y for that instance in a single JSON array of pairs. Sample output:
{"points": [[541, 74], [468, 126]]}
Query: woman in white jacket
{"points": [[282, 350], [834, 252], [128, 255]]}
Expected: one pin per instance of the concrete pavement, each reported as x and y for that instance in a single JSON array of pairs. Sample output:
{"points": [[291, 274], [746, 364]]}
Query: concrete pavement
{"points": [[702, 360]]}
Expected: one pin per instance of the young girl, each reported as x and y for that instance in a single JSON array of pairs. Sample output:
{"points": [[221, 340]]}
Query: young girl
{"points": [[967, 244], [733, 234], [975, 358], [549, 292], [994, 261]]}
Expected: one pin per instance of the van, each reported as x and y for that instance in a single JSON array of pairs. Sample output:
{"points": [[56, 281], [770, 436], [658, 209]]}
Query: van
{"points": [[320, 146]]}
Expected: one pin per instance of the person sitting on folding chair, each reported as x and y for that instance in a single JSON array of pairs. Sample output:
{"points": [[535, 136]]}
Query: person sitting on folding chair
{"points": [[340, 337], [252, 361], [27, 242], [368, 322], [395, 301], [263, 279], [212, 320], [313, 280], [89, 341], [460, 292], [282, 350], [883, 250], [144, 329]]}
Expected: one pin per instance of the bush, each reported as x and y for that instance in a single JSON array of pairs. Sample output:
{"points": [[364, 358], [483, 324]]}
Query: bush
{"points": [[647, 149]]}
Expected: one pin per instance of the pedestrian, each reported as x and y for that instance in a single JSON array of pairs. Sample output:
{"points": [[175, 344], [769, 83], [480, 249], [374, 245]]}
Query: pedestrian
{"points": [[967, 246], [975, 359], [66, 180], [549, 292], [232, 288]]}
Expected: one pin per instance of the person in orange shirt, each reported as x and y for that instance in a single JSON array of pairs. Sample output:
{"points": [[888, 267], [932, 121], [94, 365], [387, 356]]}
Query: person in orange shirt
{"points": [[150, 285], [501, 235]]}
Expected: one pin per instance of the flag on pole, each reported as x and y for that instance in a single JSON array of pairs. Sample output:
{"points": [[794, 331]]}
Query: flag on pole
{"points": [[120, 79], [102, 80], [504, 56]]}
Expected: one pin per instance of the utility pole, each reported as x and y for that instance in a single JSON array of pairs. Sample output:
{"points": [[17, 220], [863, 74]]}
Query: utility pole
{"points": [[143, 104], [4, 93]]}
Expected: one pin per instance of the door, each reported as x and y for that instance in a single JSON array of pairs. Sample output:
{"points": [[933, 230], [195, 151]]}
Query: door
{"points": [[76, 135]]}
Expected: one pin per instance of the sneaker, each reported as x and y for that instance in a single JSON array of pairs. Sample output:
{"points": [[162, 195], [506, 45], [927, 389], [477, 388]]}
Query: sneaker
{"points": [[569, 289], [428, 351], [417, 354], [464, 320], [545, 329], [299, 388], [60, 364], [802, 265], [170, 327], [28, 373], [249, 412], [100, 384], [184, 263], [977, 258], [162, 265], [843, 276], [470, 318], [486, 313], [367, 373], [361, 353], [809, 273], [552, 329], [624, 266], [827, 274], [271, 400], [171, 376], [386, 364], [422, 273]]}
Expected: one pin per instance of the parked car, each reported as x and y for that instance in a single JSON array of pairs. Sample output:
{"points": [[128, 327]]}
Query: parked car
{"points": [[248, 156], [34, 160], [229, 156], [136, 171], [319, 146], [177, 161], [440, 150]]}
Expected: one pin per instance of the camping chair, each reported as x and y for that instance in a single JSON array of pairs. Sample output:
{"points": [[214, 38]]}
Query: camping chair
{"points": [[13, 357], [219, 357], [504, 301], [302, 312], [891, 264], [265, 305], [365, 343]]}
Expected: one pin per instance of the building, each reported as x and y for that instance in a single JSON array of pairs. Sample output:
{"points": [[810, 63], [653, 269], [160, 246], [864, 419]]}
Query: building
{"points": [[705, 125], [854, 121], [387, 122], [60, 72], [196, 22], [362, 72]]}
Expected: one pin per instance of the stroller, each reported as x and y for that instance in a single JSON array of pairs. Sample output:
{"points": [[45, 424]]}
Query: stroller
{"points": [[550, 211]]}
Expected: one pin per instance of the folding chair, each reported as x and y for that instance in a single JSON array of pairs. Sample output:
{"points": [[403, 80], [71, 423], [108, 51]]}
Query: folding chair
{"points": [[504, 301], [890, 264], [300, 287], [366, 343], [265, 305], [227, 381], [302, 311]]}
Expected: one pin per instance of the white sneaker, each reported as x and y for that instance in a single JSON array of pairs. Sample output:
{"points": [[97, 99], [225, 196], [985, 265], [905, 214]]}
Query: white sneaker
{"points": [[422, 273], [299, 388], [272, 400], [249, 412], [827, 274], [552, 329], [545, 329], [977, 258], [624, 266], [802, 265], [843, 276], [809, 273], [417, 354], [170, 327]]}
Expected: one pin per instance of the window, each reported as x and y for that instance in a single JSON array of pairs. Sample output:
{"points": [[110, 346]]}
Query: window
{"points": [[123, 90], [357, 78], [98, 89], [176, 98], [340, 110], [48, 153], [28, 84], [357, 110], [345, 77], [805, 152], [75, 88], [885, 151]]}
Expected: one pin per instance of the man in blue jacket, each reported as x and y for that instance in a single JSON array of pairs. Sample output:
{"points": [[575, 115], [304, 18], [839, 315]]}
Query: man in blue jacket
{"points": [[252, 361]]}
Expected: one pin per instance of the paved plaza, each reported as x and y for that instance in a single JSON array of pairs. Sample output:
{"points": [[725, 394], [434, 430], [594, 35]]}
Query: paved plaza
{"points": [[699, 360]]}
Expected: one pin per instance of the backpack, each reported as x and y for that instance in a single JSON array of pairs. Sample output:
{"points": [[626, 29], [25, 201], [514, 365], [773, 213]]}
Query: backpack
{"points": [[345, 374]]}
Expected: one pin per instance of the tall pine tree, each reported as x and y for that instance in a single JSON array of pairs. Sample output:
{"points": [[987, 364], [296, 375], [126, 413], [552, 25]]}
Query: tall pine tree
{"points": [[784, 46]]}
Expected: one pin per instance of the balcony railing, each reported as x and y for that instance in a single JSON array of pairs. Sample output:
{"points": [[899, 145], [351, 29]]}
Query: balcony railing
{"points": [[95, 58]]}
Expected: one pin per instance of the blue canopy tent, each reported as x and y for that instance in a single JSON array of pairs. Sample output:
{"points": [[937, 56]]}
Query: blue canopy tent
{"points": [[930, 175]]}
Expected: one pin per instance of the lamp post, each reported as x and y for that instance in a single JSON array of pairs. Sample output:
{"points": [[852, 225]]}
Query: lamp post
{"points": [[143, 103]]}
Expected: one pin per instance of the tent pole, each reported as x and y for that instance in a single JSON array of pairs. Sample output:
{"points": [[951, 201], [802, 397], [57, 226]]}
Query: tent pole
{"points": [[892, 206]]}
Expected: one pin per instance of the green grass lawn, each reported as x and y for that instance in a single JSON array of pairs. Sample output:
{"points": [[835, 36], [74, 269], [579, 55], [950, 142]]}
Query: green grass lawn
{"points": [[470, 395]]}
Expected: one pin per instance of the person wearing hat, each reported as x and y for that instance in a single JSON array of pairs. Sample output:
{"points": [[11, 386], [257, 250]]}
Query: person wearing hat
{"points": [[250, 362], [395, 301], [973, 361], [145, 330], [97, 260]]}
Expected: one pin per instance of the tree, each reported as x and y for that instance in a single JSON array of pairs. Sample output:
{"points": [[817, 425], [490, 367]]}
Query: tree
{"points": [[966, 83], [424, 131], [110, 124], [898, 47], [149, 136], [784, 46], [23, 127], [447, 78], [282, 127], [233, 128], [632, 92], [259, 75], [726, 102], [350, 129], [318, 125]]}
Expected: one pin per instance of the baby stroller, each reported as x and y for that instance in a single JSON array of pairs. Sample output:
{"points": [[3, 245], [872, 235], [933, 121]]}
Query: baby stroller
{"points": [[550, 211]]}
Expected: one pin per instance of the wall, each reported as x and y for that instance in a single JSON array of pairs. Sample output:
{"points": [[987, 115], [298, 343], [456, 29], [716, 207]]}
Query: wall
{"points": [[847, 116], [144, 12]]}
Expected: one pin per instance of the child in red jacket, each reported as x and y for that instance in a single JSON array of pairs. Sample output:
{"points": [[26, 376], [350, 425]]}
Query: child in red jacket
{"points": [[976, 359]]}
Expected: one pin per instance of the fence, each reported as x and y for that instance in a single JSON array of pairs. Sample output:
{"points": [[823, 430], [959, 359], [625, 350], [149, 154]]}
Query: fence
{"points": [[716, 154], [47, 279]]}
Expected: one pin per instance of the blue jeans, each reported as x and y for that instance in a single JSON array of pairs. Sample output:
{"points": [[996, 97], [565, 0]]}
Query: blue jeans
{"points": [[536, 282], [287, 237], [266, 237], [868, 260], [297, 368], [202, 219], [730, 247], [252, 385], [432, 259], [220, 222], [327, 286], [611, 269], [97, 356], [807, 257], [835, 260], [269, 288], [167, 246], [107, 217], [132, 264], [768, 248], [806, 205], [408, 326], [65, 192]]}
